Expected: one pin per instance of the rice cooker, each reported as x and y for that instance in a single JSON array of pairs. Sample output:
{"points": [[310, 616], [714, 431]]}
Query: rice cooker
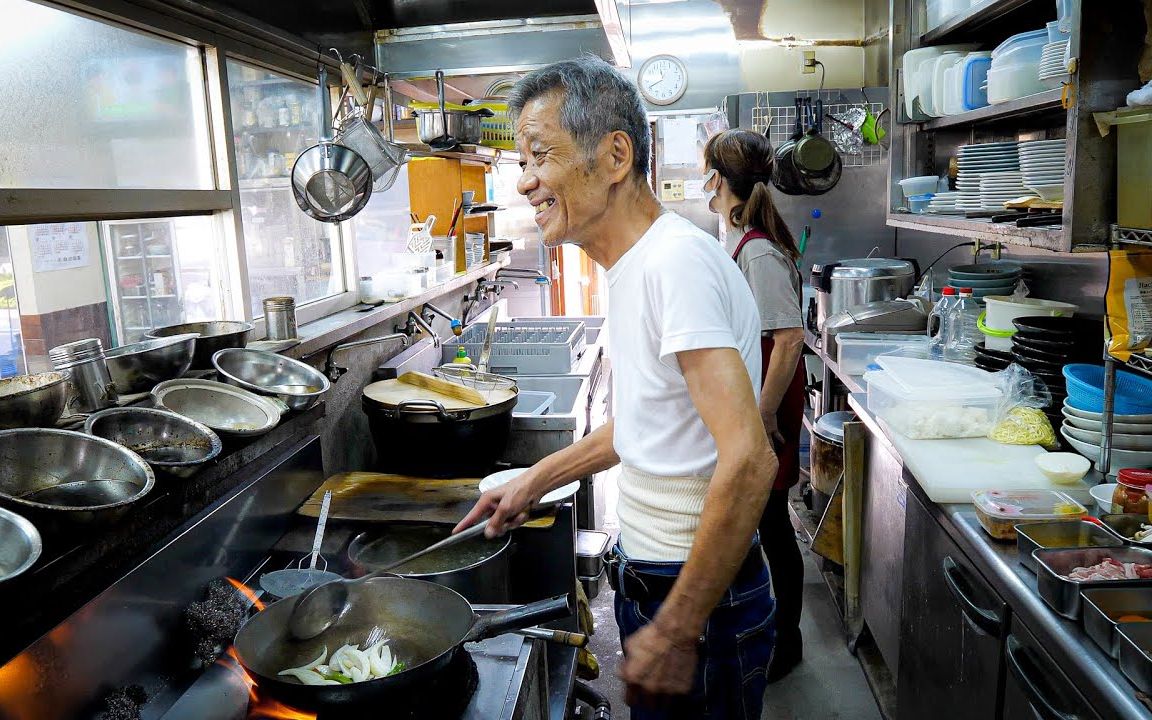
{"points": [[850, 283]]}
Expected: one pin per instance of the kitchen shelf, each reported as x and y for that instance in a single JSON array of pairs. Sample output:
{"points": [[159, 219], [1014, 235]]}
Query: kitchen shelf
{"points": [[1047, 102], [130, 257], [1048, 238], [980, 14], [1131, 236], [158, 257]]}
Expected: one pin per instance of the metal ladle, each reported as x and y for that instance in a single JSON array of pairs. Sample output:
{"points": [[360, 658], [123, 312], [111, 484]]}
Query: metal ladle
{"points": [[319, 607]]}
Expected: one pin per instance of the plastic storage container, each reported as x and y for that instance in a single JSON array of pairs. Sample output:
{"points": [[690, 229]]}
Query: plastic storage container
{"points": [[1000, 511], [975, 67], [1015, 70], [925, 412], [919, 185], [856, 351], [939, 82], [941, 11]]}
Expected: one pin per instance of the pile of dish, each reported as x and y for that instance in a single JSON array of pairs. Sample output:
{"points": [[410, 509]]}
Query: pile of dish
{"points": [[994, 278], [1042, 163], [988, 175], [944, 203], [1043, 345], [1132, 421], [1054, 64]]}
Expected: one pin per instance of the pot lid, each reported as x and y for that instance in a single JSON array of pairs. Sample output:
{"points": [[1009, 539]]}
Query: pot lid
{"points": [[872, 268], [830, 426], [390, 393]]}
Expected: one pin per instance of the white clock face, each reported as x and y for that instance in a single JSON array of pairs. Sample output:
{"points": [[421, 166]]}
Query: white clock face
{"points": [[663, 79]]}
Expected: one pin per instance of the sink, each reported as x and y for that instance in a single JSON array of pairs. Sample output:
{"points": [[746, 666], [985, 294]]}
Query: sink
{"points": [[534, 437], [566, 387]]}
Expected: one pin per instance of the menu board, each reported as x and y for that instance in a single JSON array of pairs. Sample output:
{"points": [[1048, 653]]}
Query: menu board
{"points": [[58, 246]]}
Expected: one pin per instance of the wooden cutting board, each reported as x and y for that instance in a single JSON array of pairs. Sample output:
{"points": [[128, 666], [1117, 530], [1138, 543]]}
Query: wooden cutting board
{"points": [[381, 497], [416, 386]]}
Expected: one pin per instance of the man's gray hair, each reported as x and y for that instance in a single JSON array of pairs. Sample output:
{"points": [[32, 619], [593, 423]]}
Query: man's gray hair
{"points": [[598, 100]]}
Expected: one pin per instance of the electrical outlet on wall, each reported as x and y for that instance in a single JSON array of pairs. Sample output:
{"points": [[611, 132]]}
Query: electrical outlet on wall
{"points": [[809, 62]]}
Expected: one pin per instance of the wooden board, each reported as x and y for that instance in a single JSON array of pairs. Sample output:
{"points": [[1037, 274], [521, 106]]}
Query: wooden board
{"points": [[440, 386], [381, 497], [392, 392], [828, 541]]}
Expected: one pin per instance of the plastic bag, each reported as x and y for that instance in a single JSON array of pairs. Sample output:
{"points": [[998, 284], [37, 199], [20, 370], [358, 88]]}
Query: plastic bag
{"points": [[1129, 302], [1020, 418]]}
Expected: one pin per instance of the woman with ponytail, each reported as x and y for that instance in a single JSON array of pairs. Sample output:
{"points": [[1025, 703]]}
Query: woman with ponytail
{"points": [[738, 166]]}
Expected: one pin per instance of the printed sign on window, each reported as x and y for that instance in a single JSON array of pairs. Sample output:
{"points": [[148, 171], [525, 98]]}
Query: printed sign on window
{"points": [[58, 246]]}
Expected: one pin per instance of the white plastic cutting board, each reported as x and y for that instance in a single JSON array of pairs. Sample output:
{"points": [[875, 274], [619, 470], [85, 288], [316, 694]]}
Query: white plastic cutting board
{"points": [[949, 470]]}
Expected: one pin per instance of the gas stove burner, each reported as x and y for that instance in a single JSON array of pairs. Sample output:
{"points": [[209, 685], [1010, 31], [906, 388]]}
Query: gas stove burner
{"points": [[214, 621], [444, 697]]}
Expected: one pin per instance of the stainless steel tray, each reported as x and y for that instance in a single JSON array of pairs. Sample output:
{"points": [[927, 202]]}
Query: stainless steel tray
{"points": [[1102, 606], [1062, 594], [590, 548], [1060, 534], [1136, 654], [1125, 525]]}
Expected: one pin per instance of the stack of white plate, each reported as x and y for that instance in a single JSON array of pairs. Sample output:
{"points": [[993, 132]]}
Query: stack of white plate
{"points": [[1042, 163], [976, 161], [944, 203], [997, 188], [1054, 64]]}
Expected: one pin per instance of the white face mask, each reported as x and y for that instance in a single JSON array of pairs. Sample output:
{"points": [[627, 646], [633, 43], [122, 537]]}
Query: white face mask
{"points": [[710, 195]]}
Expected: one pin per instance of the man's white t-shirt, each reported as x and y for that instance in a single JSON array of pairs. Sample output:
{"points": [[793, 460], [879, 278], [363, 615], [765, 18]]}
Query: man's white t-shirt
{"points": [[674, 290]]}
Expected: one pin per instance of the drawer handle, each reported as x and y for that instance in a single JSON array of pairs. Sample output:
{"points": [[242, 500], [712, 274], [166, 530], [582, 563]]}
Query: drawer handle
{"points": [[984, 620], [1019, 660]]}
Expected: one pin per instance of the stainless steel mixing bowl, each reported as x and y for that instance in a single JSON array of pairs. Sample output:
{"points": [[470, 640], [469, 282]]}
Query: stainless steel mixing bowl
{"points": [[19, 544], [62, 477], [296, 384], [214, 335], [164, 439], [222, 407], [32, 400], [136, 368]]}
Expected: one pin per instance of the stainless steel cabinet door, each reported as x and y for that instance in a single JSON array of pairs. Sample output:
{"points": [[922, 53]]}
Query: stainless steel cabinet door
{"points": [[952, 629], [882, 550], [1036, 689]]}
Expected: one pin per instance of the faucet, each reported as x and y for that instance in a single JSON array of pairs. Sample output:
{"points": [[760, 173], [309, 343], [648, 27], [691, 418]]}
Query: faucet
{"points": [[413, 323], [535, 275], [431, 310], [333, 371]]}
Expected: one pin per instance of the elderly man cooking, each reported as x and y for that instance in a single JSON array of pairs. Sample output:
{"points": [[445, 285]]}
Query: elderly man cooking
{"points": [[694, 600]]}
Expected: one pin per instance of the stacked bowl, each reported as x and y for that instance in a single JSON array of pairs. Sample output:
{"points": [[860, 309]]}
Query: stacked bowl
{"points": [[1083, 418], [993, 278], [1042, 165], [1044, 345]]}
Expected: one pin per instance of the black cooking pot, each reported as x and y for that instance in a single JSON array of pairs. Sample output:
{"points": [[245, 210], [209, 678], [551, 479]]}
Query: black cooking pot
{"points": [[479, 569], [422, 438]]}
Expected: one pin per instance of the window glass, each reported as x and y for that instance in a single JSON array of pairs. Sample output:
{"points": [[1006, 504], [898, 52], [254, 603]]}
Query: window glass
{"points": [[92, 105], [381, 228], [11, 348], [275, 118]]}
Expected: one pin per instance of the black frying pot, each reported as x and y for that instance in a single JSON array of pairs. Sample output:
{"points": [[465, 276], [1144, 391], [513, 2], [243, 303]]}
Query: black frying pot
{"points": [[426, 624], [420, 437]]}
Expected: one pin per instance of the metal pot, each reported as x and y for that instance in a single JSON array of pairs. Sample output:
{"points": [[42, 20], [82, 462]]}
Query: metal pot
{"points": [[443, 129], [427, 624], [426, 438], [849, 283], [482, 577], [213, 335]]}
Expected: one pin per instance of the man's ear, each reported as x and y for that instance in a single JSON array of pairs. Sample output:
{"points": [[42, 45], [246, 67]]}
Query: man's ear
{"points": [[617, 152]]}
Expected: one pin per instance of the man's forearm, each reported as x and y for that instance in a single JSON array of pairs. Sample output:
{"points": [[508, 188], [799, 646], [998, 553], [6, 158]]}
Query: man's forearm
{"points": [[591, 454], [732, 509]]}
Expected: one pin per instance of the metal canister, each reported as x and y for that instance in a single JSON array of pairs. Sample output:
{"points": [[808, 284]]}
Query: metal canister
{"points": [[90, 386], [280, 317]]}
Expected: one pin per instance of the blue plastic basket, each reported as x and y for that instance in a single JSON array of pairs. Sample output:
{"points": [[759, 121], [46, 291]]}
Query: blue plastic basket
{"points": [[1086, 390]]}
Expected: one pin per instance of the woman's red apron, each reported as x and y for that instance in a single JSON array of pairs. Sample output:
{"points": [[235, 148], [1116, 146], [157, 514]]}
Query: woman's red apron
{"points": [[790, 414]]}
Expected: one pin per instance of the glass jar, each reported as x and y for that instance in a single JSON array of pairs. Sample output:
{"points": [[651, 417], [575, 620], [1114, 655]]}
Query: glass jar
{"points": [[1131, 494]]}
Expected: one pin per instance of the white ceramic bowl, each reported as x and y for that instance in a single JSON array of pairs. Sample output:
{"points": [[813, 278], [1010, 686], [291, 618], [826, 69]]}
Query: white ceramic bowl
{"points": [[1120, 458], [495, 480], [1102, 494], [1095, 425], [1098, 417], [1120, 441], [1064, 468]]}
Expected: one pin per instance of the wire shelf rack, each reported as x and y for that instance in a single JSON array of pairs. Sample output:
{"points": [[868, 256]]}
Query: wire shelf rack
{"points": [[1131, 236], [778, 122]]}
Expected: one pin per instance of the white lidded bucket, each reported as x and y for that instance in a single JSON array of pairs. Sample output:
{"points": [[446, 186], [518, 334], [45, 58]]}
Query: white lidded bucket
{"points": [[1001, 310]]}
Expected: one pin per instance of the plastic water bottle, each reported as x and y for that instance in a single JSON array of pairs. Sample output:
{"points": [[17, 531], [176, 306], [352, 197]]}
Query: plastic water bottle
{"points": [[964, 331], [938, 323]]}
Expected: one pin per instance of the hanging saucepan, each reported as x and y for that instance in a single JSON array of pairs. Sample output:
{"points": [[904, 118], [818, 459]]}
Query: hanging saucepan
{"points": [[444, 129], [426, 624], [818, 183], [330, 182], [784, 174], [423, 433], [358, 133], [814, 154]]}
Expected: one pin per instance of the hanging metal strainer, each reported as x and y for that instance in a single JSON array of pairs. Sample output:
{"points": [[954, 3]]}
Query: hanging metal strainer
{"points": [[468, 376], [296, 578]]}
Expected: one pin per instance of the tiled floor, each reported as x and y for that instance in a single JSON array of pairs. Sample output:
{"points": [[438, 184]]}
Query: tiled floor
{"points": [[828, 685]]}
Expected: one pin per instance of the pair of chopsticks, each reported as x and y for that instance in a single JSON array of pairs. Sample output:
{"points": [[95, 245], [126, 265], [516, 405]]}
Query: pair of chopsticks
{"points": [[456, 208]]}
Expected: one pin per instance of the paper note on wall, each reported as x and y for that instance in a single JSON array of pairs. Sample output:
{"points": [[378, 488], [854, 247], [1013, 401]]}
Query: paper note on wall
{"points": [[693, 189], [58, 246], [680, 141]]}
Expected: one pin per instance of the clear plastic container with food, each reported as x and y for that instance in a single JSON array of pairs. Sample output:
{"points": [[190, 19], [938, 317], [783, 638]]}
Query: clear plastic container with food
{"points": [[1131, 493], [1000, 511], [922, 413]]}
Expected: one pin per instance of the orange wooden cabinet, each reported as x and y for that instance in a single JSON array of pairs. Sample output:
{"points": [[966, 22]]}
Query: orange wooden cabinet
{"points": [[435, 183]]}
